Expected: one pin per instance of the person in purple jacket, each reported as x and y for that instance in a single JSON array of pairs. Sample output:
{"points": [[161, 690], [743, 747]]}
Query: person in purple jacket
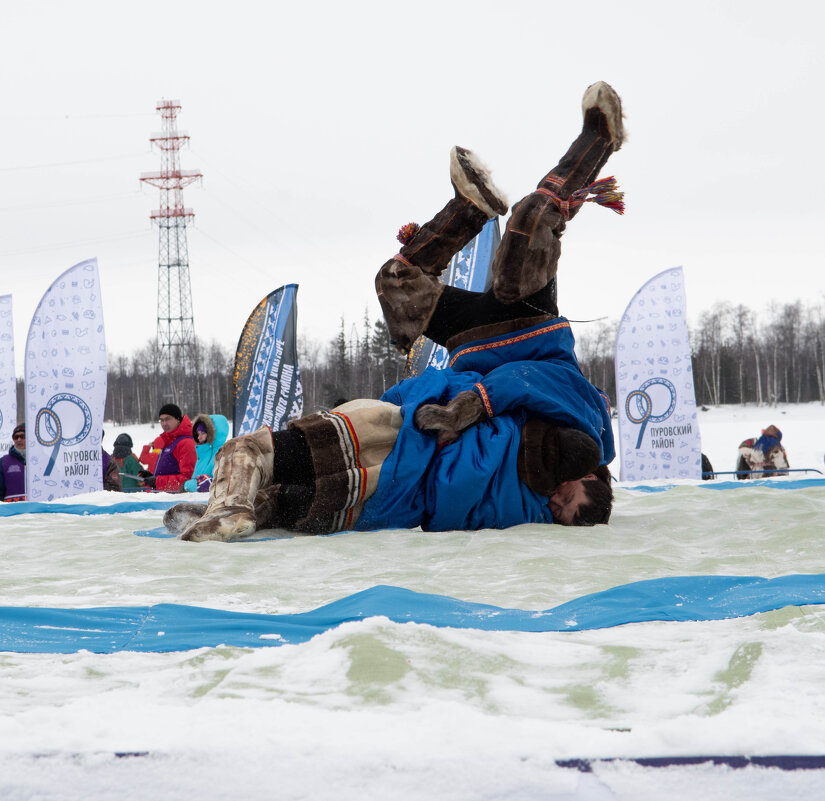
{"points": [[13, 467]]}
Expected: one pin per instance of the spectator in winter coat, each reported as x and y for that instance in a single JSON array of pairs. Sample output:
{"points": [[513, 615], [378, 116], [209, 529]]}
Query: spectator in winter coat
{"points": [[510, 432], [209, 432], [762, 457], [177, 459], [127, 463], [111, 474], [13, 467]]}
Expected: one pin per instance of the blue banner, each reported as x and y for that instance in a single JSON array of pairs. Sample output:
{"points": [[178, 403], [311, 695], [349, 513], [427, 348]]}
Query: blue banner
{"points": [[266, 379], [468, 269]]}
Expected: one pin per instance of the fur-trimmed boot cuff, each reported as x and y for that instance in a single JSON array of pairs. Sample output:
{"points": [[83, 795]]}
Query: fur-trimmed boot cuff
{"points": [[603, 96], [472, 180]]}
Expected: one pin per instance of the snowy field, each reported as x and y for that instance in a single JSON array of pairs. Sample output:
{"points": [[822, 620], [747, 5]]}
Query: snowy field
{"points": [[376, 709]]}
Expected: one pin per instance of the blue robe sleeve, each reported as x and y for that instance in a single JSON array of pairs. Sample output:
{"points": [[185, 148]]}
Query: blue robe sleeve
{"points": [[553, 391]]}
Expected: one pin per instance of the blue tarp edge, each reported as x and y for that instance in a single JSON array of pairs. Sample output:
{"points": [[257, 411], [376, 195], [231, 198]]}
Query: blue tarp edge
{"points": [[174, 627]]}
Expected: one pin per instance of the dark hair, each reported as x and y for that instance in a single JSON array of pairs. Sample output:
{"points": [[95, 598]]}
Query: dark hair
{"points": [[599, 499]]}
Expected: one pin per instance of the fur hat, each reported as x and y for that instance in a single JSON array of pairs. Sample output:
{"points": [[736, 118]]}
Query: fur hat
{"points": [[19, 429], [171, 410]]}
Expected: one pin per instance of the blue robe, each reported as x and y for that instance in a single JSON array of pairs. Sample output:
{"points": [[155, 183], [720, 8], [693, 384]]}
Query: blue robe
{"points": [[473, 483]]}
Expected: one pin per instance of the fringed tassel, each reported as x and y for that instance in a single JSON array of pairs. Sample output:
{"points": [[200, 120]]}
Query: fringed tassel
{"points": [[407, 232], [605, 193]]}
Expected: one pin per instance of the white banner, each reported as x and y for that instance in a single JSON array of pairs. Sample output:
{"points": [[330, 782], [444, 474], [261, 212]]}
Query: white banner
{"points": [[66, 387], [8, 382], [658, 431]]}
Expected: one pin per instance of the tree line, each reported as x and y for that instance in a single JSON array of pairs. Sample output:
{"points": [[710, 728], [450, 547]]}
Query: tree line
{"points": [[739, 356], [359, 362]]}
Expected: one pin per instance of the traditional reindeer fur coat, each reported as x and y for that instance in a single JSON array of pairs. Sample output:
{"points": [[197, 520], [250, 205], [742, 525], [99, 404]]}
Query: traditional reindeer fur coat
{"points": [[376, 469], [762, 453]]}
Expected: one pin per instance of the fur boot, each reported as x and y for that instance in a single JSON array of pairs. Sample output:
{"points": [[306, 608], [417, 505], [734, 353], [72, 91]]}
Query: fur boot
{"points": [[408, 285], [266, 507], [242, 467], [527, 259], [180, 517]]}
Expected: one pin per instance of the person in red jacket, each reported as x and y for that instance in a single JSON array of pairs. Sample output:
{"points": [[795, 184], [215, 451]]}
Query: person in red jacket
{"points": [[178, 456]]}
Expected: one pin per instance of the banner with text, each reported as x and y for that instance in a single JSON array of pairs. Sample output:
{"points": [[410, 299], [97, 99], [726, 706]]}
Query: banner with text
{"points": [[65, 374], [8, 382], [468, 269], [658, 430], [266, 380]]}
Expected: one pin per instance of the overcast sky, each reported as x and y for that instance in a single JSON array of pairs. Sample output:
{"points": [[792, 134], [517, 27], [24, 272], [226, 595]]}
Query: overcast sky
{"points": [[322, 127]]}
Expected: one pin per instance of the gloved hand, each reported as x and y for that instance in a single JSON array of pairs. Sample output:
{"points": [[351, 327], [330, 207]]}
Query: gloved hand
{"points": [[149, 481], [464, 410]]}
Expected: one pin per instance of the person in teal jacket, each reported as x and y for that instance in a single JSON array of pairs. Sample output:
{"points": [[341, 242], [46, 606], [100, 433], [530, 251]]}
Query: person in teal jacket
{"points": [[209, 431]]}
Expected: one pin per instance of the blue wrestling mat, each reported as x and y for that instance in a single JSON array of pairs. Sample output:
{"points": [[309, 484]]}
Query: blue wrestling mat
{"points": [[163, 533], [35, 508], [172, 627], [773, 483]]}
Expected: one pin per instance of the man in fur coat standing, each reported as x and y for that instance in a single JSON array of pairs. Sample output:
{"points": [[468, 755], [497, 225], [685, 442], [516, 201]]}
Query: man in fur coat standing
{"points": [[511, 432]]}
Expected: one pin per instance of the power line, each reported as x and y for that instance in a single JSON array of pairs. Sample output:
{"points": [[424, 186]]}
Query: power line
{"points": [[43, 117], [280, 220], [62, 245], [72, 163], [63, 203]]}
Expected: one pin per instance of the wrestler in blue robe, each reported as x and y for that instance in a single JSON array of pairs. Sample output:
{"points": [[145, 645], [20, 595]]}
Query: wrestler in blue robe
{"points": [[473, 483]]}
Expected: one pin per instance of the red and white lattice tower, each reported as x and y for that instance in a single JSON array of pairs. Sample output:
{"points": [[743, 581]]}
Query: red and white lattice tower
{"points": [[176, 328]]}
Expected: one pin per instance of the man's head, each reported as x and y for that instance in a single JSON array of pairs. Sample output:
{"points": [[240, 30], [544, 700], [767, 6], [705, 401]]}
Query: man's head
{"points": [[18, 437], [170, 417], [585, 501]]}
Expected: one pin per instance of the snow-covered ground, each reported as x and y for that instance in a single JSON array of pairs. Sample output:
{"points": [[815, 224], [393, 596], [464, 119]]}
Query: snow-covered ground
{"points": [[378, 709]]}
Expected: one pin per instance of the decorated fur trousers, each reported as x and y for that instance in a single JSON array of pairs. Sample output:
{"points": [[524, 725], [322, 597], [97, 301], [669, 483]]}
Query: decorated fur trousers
{"points": [[528, 257], [408, 285], [526, 261]]}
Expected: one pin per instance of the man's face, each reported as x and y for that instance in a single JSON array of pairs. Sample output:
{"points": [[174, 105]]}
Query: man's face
{"points": [[20, 441], [168, 423], [565, 501]]}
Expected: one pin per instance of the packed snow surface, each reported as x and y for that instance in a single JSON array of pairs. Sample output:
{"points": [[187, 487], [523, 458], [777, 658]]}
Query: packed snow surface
{"points": [[376, 709]]}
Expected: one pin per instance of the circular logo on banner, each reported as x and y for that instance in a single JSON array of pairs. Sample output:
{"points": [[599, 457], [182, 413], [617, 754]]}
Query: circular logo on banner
{"points": [[654, 402], [65, 420]]}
